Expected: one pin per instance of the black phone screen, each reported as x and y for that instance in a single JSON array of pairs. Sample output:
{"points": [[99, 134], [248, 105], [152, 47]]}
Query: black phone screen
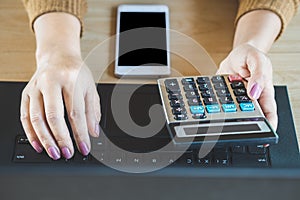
{"points": [[142, 39]]}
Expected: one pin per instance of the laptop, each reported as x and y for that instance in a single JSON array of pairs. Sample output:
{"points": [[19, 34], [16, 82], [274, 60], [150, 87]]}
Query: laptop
{"points": [[123, 166]]}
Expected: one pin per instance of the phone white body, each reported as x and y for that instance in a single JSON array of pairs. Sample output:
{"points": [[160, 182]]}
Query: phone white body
{"points": [[142, 41]]}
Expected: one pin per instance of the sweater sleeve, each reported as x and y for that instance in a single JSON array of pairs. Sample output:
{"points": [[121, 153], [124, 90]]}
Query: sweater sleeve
{"points": [[36, 8], [285, 9]]}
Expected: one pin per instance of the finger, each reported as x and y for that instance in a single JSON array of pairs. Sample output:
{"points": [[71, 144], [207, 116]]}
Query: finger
{"points": [[74, 101], [39, 124], [261, 74], [269, 107], [92, 107], [25, 120], [54, 111]]}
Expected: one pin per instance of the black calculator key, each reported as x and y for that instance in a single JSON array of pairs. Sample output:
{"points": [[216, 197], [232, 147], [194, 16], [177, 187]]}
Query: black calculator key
{"points": [[181, 117], [201, 80], [226, 100], [257, 149], [199, 116], [185, 81], [176, 103], [178, 110], [172, 85], [220, 85], [194, 102], [205, 86], [210, 100], [239, 91], [217, 79], [207, 93], [189, 87], [243, 99], [223, 92], [192, 94], [237, 84], [174, 95]]}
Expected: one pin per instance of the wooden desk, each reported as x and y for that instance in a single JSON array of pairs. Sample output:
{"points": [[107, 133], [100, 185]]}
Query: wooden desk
{"points": [[208, 23]]}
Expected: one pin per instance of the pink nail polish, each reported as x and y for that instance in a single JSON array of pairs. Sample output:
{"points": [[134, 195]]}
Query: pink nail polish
{"points": [[37, 146], [255, 91], [83, 149], [66, 152], [97, 130], [55, 155]]}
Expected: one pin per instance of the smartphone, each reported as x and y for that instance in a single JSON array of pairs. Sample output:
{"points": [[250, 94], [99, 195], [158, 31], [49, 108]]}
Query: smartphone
{"points": [[142, 41]]}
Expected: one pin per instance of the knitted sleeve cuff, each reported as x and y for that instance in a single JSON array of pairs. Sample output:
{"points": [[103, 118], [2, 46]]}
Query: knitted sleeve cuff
{"points": [[36, 8], [285, 9]]}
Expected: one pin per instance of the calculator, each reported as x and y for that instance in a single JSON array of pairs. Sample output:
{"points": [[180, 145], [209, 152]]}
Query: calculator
{"points": [[213, 109]]}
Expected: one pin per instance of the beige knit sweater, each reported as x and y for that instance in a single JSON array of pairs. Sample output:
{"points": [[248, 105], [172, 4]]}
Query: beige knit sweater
{"points": [[285, 9]]}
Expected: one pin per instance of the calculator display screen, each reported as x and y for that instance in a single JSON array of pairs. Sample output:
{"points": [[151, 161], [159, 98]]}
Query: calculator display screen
{"points": [[221, 129], [142, 39]]}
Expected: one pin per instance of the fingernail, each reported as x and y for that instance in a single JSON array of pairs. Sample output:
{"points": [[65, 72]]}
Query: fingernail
{"points": [[97, 130], [255, 91], [37, 146], [55, 155], [83, 148], [66, 152]]}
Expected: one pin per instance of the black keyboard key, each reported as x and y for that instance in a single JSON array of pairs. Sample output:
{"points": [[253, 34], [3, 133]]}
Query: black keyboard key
{"points": [[199, 116], [223, 92], [220, 85], [217, 79], [189, 87], [175, 96], [176, 103], [239, 91], [237, 84], [172, 85], [207, 93], [210, 100], [201, 80], [238, 149], [243, 99], [194, 102], [226, 100], [205, 86], [178, 110], [257, 149], [181, 117], [185, 81], [248, 160], [192, 94]]}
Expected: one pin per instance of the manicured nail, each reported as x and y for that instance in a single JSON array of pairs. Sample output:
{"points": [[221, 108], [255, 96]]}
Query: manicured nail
{"points": [[255, 91], [66, 152], [55, 155], [83, 148], [37, 146], [97, 130]]}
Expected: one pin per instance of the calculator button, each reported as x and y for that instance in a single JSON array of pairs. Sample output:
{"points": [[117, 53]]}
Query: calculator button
{"points": [[176, 95], [229, 107], [192, 94], [223, 92], [233, 78], [210, 100], [172, 85], [180, 117], [201, 80], [189, 87], [226, 100], [205, 86], [197, 109], [176, 103], [239, 91], [178, 110], [199, 116], [185, 81], [243, 99], [207, 93], [247, 106], [237, 84], [216, 79], [194, 102], [220, 85], [215, 108]]}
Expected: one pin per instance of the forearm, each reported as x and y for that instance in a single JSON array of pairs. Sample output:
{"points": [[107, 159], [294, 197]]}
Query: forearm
{"points": [[258, 28], [57, 33]]}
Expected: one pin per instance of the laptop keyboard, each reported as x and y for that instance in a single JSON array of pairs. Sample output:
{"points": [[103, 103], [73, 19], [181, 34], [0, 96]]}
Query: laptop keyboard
{"points": [[256, 156]]}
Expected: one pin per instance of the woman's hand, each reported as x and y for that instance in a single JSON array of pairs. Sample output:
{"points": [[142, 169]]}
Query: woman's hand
{"points": [[60, 81], [253, 65]]}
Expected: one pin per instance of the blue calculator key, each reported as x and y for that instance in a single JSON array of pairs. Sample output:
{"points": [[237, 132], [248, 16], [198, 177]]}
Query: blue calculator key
{"points": [[215, 108], [197, 109], [247, 106], [229, 107]]}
